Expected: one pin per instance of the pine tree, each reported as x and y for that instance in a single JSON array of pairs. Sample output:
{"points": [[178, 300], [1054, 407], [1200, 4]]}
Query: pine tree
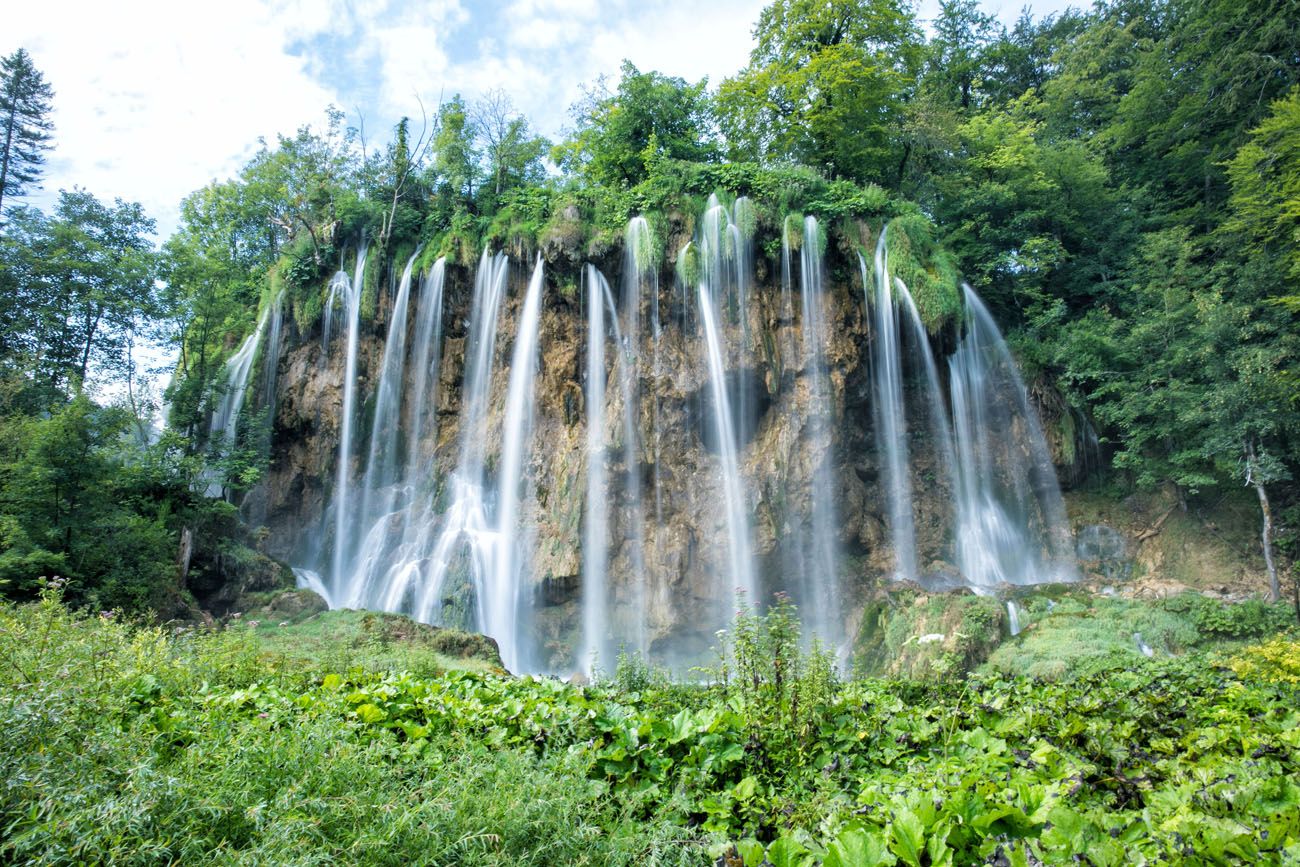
{"points": [[25, 124]]}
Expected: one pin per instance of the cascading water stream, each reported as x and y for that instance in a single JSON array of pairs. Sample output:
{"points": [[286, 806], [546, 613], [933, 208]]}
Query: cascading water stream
{"points": [[890, 415], [426, 360], [456, 549], [1011, 524], [940, 426], [740, 558], [499, 599], [1008, 517], [463, 527], [351, 291], [271, 354], [379, 489], [595, 540], [225, 419], [819, 598], [641, 280]]}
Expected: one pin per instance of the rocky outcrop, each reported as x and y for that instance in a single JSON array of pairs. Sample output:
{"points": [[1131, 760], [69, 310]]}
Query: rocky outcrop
{"points": [[685, 534]]}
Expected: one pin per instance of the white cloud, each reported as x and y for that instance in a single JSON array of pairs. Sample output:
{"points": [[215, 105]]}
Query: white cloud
{"points": [[154, 99]]}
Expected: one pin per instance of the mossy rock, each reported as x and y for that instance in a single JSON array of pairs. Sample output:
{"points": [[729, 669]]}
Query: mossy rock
{"points": [[349, 640], [910, 633], [289, 606]]}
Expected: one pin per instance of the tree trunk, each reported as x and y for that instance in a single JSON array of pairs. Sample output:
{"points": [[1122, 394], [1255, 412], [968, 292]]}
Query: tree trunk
{"points": [[10, 123], [1266, 534], [185, 554]]}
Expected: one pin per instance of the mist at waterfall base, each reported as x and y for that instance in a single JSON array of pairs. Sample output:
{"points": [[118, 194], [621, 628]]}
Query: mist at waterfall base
{"points": [[454, 547]]}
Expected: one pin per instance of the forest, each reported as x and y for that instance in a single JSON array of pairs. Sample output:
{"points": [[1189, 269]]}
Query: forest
{"points": [[1121, 187]]}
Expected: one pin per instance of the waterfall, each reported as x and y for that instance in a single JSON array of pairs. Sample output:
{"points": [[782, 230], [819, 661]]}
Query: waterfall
{"points": [[789, 351], [350, 290], [271, 355], [819, 598], [379, 490], [441, 531], [1013, 618], [595, 539], [1008, 517], [462, 530], [499, 600], [722, 255], [381, 465], [1011, 525], [394, 517], [641, 280], [890, 415], [225, 419], [426, 359], [740, 558]]}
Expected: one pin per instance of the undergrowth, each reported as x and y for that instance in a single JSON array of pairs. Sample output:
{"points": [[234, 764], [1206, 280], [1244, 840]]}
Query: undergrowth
{"points": [[133, 746]]}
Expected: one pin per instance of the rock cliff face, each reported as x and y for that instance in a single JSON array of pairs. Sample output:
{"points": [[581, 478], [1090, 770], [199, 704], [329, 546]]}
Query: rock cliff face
{"points": [[684, 543]]}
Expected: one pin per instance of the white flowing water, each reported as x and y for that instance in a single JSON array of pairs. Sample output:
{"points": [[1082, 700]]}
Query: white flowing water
{"points": [[890, 414], [351, 294], [378, 487], [740, 558], [1013, 618], [595, 538], [499, 600], [1008, 517], [1011, 524], [271, 354], [819, 598], [456, 549], [462, 538], [225, 419], [426, 360], [640, 285], [415, 575]]}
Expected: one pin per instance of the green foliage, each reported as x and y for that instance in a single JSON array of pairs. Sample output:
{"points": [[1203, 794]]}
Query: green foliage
{"points": [[1069, 637], [82, 294], [824, 85], [133, 746], [354, 642], [25, 124], [1265, 177], [71, 508], [622, 136], [926, 268], [1252, 618]]}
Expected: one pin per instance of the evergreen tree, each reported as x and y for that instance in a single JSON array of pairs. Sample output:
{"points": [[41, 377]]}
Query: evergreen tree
{"points": [[24, 123]]}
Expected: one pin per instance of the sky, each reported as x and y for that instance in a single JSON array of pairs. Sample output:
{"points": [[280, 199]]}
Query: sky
{"points": [[156, 98]]}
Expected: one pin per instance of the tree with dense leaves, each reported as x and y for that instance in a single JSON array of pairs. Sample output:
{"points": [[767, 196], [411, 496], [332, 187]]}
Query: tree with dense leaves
{"points": [[649, 116], [1265, 179], [85, 279], [25, 124], [826, 86]]}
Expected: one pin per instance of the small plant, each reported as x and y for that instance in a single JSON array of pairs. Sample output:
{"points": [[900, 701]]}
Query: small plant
{"points": [[634, 674], [1275, 661]]}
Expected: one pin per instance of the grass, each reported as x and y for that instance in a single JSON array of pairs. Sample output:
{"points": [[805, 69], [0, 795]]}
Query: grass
{"points": [[347, 640], [1072, 634], [128, 745]]}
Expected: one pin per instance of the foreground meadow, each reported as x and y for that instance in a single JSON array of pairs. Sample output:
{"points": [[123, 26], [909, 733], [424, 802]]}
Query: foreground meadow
{"points": [[129, 745]]}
